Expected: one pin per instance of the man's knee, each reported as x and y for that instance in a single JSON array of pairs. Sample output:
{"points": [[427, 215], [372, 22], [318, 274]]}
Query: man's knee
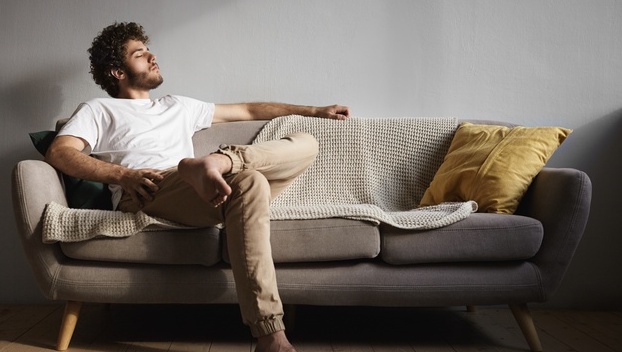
{"points": [[306, 142], [250, 181]]}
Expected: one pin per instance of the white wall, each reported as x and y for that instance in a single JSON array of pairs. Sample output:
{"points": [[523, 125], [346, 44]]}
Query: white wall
{"points": [[534, 62]]}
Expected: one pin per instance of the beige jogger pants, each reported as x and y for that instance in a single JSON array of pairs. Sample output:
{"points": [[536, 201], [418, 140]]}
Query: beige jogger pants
{"points": [[259, 173]]}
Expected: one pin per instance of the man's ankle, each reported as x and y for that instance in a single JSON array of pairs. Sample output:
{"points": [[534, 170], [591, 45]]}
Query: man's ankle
{"points": [[224, 161], [275, 342]]}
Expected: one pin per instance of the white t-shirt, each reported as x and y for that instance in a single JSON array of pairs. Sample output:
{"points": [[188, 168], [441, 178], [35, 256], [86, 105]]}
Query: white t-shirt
{"points": [[140, 133]]}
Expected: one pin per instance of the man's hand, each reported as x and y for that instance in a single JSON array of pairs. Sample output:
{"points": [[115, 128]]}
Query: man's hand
{"points": [[141, 184], [335, 112]]}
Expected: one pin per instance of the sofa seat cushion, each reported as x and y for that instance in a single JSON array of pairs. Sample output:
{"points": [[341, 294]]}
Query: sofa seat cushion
{"points": [[480, 237], [292, 241], [296, 241], [200, 246]]}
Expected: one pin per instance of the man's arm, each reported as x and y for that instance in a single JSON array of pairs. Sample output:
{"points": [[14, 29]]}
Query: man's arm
{"points": [[268, 111], [65, 154]]}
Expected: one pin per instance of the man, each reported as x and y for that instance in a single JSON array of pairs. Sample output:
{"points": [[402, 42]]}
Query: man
{"points": [[143, 149]]}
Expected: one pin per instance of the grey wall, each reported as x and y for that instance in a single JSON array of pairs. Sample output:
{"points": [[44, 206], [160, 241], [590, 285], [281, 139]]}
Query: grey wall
{"points": [[534, 62]]}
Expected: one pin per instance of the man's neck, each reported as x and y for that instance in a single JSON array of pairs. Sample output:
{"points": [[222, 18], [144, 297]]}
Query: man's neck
{"points": [[134, 94]]}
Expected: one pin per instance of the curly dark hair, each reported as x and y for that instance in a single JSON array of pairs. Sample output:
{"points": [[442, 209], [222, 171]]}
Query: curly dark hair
{"points": [[109, 49]]}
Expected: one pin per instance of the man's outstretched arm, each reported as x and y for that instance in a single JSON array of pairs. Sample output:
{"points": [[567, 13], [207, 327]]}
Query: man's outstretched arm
{"points": [[269, 111]]}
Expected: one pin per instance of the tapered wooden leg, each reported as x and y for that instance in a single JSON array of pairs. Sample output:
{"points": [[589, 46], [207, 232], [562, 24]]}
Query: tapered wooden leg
{"points": [[471, 309], [68, 325], [525, 321]]}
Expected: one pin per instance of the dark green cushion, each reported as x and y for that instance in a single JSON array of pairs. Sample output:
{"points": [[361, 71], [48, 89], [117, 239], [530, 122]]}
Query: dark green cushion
{"points": [[80, 193]]}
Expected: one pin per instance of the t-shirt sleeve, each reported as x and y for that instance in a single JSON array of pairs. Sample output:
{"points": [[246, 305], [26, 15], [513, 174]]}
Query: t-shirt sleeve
{"points": [[82, 124], [202, 112]]}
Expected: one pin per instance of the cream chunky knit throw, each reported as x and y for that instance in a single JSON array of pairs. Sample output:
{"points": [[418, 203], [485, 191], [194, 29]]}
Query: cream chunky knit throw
{"points": [[369, 169], [63, 224]]}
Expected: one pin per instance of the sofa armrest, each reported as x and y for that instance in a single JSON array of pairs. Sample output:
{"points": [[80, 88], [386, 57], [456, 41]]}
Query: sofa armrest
{"points": [[35, 183], [560, 199]]}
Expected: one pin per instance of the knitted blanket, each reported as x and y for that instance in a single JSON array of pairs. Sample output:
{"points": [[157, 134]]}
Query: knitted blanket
{"points": [[369, 169], [63, 224]]}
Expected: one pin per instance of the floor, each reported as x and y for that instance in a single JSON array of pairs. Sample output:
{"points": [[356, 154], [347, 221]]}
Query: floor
{"points": [[157, 328]]}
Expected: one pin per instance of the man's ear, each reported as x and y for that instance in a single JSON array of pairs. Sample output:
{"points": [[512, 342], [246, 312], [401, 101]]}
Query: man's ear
{"points": [[117, 73]]}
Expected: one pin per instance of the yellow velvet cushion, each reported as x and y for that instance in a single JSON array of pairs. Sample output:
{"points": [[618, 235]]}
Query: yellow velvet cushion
{"points": [[492, 165]]}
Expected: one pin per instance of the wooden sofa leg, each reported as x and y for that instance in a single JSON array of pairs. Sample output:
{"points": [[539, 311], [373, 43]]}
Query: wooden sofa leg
{"points": [[68, 325], [471, 309], [525, 322]]}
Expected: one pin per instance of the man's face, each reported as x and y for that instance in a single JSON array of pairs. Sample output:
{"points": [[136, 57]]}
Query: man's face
{"points": [[140, 66]]}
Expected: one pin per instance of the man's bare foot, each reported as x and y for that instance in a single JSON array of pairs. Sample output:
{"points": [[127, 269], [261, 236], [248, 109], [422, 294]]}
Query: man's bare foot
{"points": [[276, 342], [205, 176]]}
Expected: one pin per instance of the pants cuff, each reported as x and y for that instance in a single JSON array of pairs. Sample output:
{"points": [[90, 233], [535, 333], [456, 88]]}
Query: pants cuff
{"points": [[267, 327], [237, 164]]}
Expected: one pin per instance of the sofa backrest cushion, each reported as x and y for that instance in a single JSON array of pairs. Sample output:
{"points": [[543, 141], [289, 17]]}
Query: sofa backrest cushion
{"points": [[209, 139]]}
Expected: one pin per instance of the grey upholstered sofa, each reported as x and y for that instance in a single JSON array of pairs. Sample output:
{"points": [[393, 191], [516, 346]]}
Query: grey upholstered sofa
{"points": [[486, 259]]}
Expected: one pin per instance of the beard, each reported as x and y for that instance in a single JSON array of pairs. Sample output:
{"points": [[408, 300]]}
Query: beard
{"points": [[144, 80]]}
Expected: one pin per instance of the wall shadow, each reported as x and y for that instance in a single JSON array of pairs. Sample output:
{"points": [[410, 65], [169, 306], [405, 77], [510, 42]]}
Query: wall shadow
{"points": [[596, 148], [34, 98]]}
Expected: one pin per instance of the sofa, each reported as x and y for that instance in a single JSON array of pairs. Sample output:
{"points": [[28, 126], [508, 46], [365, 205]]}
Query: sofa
{"points": [[488, 258]]}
